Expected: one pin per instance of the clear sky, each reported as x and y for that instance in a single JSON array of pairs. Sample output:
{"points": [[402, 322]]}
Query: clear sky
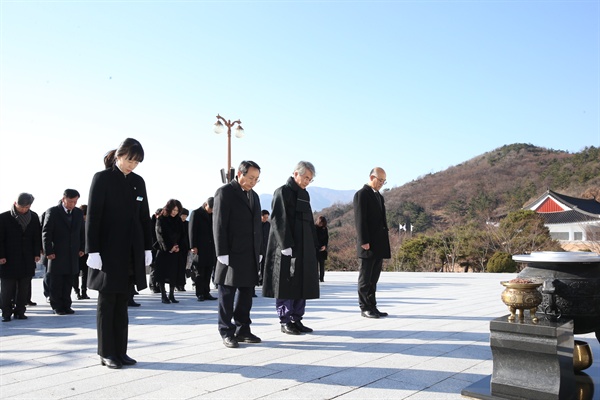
{"points": [[412, 86]]}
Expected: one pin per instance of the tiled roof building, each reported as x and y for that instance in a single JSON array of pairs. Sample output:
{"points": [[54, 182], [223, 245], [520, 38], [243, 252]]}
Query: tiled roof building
{"points": [[569, 219]]}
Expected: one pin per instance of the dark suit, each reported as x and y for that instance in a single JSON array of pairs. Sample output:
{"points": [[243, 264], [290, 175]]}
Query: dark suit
{"points": [[64, 236], [238, 233], [20, 248], [201, 237], [118, 227], [371, 227]]}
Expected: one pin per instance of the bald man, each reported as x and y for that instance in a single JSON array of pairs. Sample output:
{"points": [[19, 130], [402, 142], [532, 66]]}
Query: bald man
{"points": [[373, 243]]}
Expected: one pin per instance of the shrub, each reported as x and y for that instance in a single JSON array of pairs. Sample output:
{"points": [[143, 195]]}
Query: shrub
{"points": [[501, 262]]}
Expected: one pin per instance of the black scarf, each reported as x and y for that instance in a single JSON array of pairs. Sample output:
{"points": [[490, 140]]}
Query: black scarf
{"points": [[302, 197], [22, 219]]}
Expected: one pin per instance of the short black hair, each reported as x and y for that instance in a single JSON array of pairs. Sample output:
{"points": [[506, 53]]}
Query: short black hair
{"points": [[246, 165], [25, 199], [71, 193]]}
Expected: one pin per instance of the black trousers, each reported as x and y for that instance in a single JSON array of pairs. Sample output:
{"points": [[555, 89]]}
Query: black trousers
{"points": [[84, 274], [236, 308], [112, 323], [368, 276], [202, 280], [321, 262], [15, 292], [59, 286]]}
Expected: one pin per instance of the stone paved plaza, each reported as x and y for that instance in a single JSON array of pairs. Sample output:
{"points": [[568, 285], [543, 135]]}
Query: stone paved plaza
{"points": [[434, 343]]}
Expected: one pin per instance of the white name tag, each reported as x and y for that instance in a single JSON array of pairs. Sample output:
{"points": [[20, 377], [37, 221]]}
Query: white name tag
{"points": [[139, 198]]}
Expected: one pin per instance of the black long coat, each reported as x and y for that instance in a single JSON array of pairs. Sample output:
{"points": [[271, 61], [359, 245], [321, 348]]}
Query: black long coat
{"points": [[292, 226], [237, 231], [118, 227], [64, 239], [169, 232], [371, 224], [322, 240], [201, 237], [19, 248]]}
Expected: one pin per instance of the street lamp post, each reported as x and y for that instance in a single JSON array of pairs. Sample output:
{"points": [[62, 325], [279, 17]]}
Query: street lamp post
{"points": [[227, 175]]}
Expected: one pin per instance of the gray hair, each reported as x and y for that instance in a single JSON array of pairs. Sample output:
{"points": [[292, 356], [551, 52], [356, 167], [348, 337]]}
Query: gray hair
{"points": [[302, 166], [25, 199]]}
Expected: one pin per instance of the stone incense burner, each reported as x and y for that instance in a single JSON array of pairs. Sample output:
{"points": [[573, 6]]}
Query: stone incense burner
{"points": [[571, 286]]}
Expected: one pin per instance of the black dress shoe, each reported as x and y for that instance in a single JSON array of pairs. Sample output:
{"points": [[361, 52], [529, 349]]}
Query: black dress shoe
{"points": [[248, 338], [111, 362], [31, 303], [290, 329], [369, 314], [60, 312], [302, 328], [200, 298], [165, 300], [230, 342], [6, 319], [20, 316], [132, 303], [172, 299], [381, 314], [69, 311], [85, 297], [126, 360], [209, 297]]}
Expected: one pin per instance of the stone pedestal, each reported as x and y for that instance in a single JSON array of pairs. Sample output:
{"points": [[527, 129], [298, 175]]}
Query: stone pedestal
{"points": [[532, 360]]}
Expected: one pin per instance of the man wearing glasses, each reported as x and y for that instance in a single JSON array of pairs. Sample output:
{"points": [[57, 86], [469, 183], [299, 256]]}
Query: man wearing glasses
{"points": [[291, 268], [373, 244], [237, 233]]}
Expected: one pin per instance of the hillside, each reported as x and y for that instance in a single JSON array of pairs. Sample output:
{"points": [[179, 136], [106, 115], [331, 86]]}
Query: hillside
{"points": [[483, 188], [502, 180]]}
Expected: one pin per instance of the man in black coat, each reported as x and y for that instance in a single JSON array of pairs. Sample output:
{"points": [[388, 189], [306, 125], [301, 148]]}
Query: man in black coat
{"points": [[238, 235], [63, 240], [373, 243], [20, 248], [291, 269], [202, 246]]}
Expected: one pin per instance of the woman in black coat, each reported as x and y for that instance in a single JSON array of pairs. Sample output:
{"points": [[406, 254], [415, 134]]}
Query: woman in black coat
{"points": [[322, 243], [118, 243], [170, 237]]}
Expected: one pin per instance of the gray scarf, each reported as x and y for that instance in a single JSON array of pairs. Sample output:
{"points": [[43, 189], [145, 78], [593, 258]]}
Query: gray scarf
{"points": [[22, 219]]}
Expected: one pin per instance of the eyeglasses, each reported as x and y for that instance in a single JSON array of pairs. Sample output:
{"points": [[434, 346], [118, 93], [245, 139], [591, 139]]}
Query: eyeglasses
{"points": [[307, 179], [382, 181]]}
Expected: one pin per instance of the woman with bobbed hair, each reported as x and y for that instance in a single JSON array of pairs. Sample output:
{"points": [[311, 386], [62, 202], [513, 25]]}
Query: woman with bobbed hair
{"points": [[170, 236], [323, 242]]}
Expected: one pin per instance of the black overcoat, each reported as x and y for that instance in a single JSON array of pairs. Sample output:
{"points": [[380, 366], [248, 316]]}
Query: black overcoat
{"points": [[19, 248], [292, 226], [201, 237], [237, 231], [322, 240], [64, 239], [118, 227], [371, 224], [169, 232]]}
